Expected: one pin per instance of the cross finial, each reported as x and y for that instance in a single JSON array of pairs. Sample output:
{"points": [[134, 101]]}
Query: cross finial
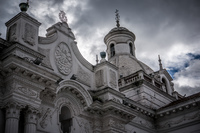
{"points": [[117, 18], [160, 64]]}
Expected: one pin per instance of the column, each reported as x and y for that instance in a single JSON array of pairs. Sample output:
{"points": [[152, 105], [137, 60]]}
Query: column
{"points": [[30, 120], [12, 117]]}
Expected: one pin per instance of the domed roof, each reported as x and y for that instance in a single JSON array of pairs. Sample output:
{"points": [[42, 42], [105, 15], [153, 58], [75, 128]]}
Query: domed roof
{"points": [[119, 30]]}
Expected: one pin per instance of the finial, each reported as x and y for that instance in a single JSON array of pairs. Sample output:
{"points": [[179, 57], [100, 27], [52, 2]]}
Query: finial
{"points": [[97, 60], [62, 16], [160, 64], [103, 56], [117, 18], [24, 6]]}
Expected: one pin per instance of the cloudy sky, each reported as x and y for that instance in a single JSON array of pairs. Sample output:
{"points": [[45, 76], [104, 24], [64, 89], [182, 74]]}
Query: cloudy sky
{"points": [[169, 28]]}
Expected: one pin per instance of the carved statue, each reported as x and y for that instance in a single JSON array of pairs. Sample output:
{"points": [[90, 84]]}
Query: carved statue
{"points": [[62, 16]]}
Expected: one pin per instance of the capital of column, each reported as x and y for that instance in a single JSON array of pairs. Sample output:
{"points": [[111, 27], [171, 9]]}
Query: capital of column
{"points": [[31, 115], [13, 110]]}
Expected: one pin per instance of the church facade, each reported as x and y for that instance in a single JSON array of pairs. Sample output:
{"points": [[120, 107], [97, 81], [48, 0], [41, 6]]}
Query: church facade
{"points": [[47, 86]]}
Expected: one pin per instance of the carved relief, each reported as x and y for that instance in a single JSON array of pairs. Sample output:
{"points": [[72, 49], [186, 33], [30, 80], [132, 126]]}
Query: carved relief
{"points": [[113, 79], [46, 117], [29, 34], [45, 60], [99, 78], [83, 76], [84, 125], [27, 91], [63, 59], [12, 33], [115, 123], [47, 95]]}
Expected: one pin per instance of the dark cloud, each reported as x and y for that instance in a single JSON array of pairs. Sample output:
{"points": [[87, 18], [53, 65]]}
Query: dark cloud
{"points": [[160, 26]]}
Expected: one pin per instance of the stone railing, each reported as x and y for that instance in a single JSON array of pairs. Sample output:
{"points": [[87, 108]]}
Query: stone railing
{"points": [[140, 75]]}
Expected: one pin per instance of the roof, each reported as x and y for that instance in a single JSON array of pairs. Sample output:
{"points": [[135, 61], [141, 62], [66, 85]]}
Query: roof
{"points": [[181, 100]]}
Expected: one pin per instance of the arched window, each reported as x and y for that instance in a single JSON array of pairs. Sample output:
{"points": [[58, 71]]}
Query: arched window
{"points": [[112, 50], [131, 48], [164, 85], [65, 119]]}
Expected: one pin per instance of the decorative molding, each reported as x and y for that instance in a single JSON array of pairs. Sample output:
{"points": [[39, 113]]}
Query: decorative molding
{"points": [[63, 59], [185, 118], [47, 95], [28, 92]]}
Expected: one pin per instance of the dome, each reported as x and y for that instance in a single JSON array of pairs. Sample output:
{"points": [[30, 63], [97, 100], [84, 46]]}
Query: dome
{"points": [[119, 30]]}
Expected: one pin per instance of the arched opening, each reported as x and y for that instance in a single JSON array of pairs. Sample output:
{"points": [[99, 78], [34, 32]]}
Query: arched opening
{"points": [[65, 119], [112, 50], [131, 48], [164, 86]]}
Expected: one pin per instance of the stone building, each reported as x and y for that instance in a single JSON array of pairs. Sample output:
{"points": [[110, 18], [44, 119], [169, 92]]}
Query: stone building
{"points": [[46, 85]]}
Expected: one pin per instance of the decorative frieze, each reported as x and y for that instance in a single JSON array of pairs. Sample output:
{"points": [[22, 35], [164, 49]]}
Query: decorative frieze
{"points": [[28, 92]]}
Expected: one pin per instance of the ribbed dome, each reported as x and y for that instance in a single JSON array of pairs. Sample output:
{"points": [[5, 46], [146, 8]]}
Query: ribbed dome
{"points": [[119, 30]]}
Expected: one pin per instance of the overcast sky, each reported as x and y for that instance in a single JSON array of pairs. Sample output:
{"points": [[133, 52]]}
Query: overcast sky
{"points": [[169, 28]]}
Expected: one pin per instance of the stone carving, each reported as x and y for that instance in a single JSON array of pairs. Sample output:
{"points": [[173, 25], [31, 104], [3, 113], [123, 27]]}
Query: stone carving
{"points": [[47, 95], [45, 60], [63, 59], [113, 82], [12, 33], [29, 34], [46, 117], [84, 125], [83, 76], [62, 16], [115, 123], [99, 78], [27, 92]]}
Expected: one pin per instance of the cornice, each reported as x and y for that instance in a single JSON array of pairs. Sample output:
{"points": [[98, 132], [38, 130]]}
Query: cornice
{"points": [[29, 70], [27, 50], [24, 16], [106, 90], [105, 63]]}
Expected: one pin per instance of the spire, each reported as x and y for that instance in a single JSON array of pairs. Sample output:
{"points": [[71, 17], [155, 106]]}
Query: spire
{"points": [[117, 18], [160, 64]]}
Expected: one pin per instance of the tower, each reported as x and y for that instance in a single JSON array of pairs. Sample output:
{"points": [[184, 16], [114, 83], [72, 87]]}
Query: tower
{"points": [[121, 50]]}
